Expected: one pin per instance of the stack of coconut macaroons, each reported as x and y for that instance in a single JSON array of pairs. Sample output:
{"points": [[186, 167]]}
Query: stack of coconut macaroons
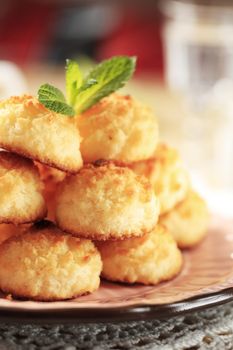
{"points": [[119, 203]]}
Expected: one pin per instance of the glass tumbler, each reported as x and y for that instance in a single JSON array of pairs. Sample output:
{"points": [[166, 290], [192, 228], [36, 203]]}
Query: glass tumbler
{"points": [[198, 48]]}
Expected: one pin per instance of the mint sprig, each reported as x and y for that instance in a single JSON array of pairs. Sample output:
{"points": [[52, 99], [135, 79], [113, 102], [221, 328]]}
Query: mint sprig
{"points": [[74, 80], [82, 93], [110, 75], [53, 99]]}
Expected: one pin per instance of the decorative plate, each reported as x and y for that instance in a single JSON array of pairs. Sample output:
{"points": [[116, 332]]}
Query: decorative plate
{"points": [[206, 280]]}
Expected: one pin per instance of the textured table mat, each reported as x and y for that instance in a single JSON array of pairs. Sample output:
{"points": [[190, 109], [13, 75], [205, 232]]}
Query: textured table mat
{"points": [[208, 329]]}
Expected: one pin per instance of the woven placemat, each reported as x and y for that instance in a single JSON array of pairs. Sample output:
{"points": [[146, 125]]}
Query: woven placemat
{"points": [[208, 329]]}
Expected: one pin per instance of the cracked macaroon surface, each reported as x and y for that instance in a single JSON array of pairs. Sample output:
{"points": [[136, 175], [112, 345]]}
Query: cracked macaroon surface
{"points": [[105, 201], [167, 175], [148, 260], [21, 199], [46, 264], [118, 127], [30, 129]]}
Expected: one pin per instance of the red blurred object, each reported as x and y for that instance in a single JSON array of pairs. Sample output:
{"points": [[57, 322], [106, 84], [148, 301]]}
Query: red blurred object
{"points": [[24, 31], [140, 36], [27, 34]]}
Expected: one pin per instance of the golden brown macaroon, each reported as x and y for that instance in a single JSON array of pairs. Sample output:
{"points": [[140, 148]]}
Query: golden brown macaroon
{"points": [[21, 199], [118, 127], [105, 201], [9, 230], [149, 259], [167, 175], [51, 178], [46, 264], [188, 221], [31, 130]]}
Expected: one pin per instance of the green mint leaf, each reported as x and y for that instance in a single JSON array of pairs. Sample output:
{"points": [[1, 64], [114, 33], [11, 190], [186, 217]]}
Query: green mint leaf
{"points": [[86, 85], [53, 99], [105, 78], [74, 80], [110, 75]]}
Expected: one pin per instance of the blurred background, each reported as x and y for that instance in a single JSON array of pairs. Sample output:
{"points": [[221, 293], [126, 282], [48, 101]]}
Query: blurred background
{"points": [[184, 71]]}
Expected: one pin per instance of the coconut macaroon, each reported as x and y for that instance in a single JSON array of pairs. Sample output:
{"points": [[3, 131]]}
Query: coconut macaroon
{"points": [[21, 199], [31, 130], [149, 259], [51, 178], [105, 201], [167, 175], [49, 174], [46, 264], [188, 221], [9, 230], [118, 127]]}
